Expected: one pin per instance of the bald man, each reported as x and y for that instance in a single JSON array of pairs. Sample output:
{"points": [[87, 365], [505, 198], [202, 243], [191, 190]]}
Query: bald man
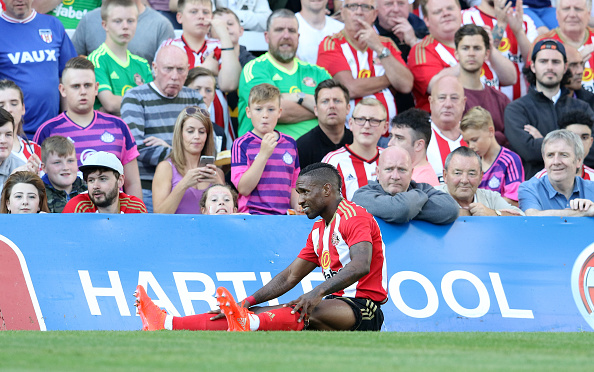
{"points": [[395, 198], [447, 101], [150, 110]]}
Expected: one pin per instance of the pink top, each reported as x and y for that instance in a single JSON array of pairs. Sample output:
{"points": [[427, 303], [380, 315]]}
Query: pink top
{"points": [[425, 174], [190, 203]]}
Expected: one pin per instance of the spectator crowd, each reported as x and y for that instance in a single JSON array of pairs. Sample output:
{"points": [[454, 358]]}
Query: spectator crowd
{"points": [[429, 110]]}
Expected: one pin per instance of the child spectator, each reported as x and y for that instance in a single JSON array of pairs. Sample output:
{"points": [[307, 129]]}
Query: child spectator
{"points": [[8, 160], [116, 69], [264, 162], [219, 199], [23, 193], [235, 31], [91, 130], [204, 81], [11, 99], [502, 168], [58, 161], [218, 56]]}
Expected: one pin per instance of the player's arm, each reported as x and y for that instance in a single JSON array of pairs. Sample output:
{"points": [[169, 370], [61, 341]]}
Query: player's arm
{"points": [[110, 102], [132, 179], [293, 112], [284, 281], [362, 87], [359, 266]]}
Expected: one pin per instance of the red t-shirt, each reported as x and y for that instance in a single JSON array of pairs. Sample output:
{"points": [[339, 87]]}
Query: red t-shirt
{"points": [[83, 204], [329, 247]]}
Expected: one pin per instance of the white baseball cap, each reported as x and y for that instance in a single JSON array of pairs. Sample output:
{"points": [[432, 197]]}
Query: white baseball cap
{"points": [[103, 159]]}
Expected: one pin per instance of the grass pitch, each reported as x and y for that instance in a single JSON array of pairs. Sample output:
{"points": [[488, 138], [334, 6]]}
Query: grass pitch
{"points": [[290, 351]]}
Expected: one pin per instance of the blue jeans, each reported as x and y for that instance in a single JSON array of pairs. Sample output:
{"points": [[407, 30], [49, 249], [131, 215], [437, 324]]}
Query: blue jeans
{"points": [[147, 198]]}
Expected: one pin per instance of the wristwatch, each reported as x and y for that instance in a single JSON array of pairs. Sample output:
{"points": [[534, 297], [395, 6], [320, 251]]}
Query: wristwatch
{"points": [[385, 53], [301, 96]]}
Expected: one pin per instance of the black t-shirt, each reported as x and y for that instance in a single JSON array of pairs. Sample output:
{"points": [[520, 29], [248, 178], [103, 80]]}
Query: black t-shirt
{"points": [[314, 145]]}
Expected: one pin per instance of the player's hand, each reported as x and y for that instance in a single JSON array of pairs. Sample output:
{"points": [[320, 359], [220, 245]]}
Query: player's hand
{"points": [[368, 36], [478, 209], [269, 143], [533, 131], [581, 205], [306, 303], [218, 313], [154, 141], [208, 174], [404, 31]]}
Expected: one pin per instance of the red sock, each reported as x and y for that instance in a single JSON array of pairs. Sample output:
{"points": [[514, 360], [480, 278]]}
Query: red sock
{"points": [[200, 322], [280, 320]]}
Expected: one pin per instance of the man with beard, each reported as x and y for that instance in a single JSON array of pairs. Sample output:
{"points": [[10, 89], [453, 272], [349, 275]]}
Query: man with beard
{"points": [[530, 118], [297, 80], [104, 174]]}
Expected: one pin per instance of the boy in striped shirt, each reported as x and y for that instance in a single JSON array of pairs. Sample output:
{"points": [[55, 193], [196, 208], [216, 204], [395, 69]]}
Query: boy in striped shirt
{"points": [[264, 162]]}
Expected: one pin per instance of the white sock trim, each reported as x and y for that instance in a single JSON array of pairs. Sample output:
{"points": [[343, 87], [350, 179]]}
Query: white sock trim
{"points": [[254, 322], [169, 322]]}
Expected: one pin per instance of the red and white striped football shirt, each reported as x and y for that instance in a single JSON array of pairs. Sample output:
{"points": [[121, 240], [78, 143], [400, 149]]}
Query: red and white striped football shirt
{"points": [[329, 247], [439, 148], [355, 171]]}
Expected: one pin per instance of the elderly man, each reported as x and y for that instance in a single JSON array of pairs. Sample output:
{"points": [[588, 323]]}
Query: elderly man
{"points": [[33, 53], [531, 117], [462, 176], [434, 57], [296, 79], [369, 65], [357, 163], [150, 110], [561, 192], [447, 102], [573, 17], [395, 198], [332, 107], [513, 31]]}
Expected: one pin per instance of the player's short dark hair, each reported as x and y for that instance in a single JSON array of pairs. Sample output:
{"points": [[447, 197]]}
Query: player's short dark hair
{"points": [[6, 117], [464, 151], [329, 84], [89, 170], [417, 120], [324, 173], [472, 30], [575, 117]]}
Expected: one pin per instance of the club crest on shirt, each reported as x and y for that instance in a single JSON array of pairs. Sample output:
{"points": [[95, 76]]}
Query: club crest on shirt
{"points": [[494, 183], [46, 35], [107, 137], [335, 239], [138, 80], [309, 82], [287, 158]]}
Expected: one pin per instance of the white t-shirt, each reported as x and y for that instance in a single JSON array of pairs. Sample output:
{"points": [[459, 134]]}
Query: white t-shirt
{"points": [[310, 38]]}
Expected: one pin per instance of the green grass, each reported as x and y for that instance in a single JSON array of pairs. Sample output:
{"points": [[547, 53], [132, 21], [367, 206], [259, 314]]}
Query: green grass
{"points": [[294, 351]]}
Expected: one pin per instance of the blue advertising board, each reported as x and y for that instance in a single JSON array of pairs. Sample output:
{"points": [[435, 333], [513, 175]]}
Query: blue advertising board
{"points": [[78, 272]]}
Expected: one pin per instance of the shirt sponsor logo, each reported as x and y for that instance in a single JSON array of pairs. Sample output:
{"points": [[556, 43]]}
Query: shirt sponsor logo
{"points": [[364, 74], [45, 55]]}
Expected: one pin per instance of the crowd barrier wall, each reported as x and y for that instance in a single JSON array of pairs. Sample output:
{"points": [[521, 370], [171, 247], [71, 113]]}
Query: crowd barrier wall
{"points": [[78, 272]]}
